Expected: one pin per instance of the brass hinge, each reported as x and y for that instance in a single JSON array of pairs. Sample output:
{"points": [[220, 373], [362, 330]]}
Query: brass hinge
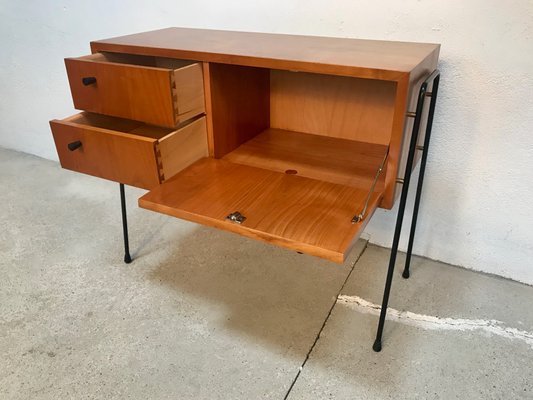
{"points": [[236, 217]]}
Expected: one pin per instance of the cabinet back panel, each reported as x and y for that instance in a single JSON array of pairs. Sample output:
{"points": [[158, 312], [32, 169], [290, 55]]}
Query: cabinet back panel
{"points": [[336, 106]]}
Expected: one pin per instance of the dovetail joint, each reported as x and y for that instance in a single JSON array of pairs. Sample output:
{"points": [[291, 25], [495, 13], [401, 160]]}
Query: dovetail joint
{"points": [[159, 161], [174, 93]]}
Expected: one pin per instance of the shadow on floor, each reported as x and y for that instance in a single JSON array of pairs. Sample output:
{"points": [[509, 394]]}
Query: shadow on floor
{"points": [[274, 296]]}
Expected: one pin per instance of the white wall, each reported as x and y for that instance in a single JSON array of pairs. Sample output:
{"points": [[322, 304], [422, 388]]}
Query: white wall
{"points": [[477, 207]]}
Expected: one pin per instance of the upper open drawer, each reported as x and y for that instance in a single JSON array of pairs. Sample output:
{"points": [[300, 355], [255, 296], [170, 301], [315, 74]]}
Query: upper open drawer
{"points": [[299, 213], [158, 91]]}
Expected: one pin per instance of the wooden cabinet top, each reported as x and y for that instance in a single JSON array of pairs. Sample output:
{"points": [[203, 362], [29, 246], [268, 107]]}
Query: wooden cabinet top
{"points": [[373, 59]]}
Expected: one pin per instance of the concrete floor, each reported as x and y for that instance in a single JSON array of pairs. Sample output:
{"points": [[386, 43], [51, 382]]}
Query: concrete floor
{"points": [[203, 314]]}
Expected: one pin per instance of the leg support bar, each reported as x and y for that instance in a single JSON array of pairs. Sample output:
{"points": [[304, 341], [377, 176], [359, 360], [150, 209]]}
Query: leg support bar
{"points": [[433, 78], [127, 257]]}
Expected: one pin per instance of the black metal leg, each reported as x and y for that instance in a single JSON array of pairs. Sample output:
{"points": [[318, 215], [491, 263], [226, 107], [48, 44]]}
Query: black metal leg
{"points": [[403, 200], [127, 257], [434, 92]]}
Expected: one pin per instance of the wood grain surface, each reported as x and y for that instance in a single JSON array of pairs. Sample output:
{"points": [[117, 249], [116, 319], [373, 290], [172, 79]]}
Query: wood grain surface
{"points": [[298, 213], [188, 86], [337, 106], [128, 151], [127, 91], [183, 147], [351, 57], [341, 161], [239, 104], [105, 153]]}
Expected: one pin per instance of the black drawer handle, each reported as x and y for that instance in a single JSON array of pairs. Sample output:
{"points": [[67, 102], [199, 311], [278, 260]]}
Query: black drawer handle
{"points": [[89, 80], [74, 145]]}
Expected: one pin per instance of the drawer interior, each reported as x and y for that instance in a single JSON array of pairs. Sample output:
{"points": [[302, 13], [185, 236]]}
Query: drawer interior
{"points": [[133, 59], [121, 125], [303, 214]]}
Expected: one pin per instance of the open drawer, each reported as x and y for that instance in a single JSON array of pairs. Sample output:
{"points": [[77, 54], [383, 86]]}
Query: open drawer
{"points": [[158, 91], [304, 214], [127, 151]]}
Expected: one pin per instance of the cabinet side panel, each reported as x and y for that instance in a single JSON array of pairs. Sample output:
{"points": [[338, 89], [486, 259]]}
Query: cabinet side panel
{"points": [[341, 107], [189, 90], [183, 147], [240, 105], [408, 95], [396, 140], [416, 78]]}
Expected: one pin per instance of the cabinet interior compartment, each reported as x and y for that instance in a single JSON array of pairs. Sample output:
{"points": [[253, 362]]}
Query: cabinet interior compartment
{"points": [[325, 127], [293, 159]]}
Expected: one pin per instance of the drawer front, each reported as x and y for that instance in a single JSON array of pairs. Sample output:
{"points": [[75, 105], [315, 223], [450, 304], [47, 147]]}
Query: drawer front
{"points": [[106, 154], [121, 90]]}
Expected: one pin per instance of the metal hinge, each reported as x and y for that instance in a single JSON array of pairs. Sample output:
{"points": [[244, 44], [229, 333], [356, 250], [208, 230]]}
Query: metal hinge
{"points": [[236, 217], [359, 217]]}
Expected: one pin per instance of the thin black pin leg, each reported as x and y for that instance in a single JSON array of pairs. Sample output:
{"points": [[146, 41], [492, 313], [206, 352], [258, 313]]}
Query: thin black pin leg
{"points": [[127, 257], [434, 92], [401, 210]]}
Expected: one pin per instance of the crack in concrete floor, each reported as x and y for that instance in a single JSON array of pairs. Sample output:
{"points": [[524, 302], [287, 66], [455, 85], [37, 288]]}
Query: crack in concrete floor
{"points": [[324, 323]]}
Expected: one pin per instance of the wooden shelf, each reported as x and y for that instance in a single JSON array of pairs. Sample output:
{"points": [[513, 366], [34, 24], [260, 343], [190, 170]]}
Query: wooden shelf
{"points": [[340, 161], [291, 211]]}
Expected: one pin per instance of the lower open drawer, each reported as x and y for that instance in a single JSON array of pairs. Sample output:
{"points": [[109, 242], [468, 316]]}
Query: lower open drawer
{"points": [[127, 151], [299, 213]]}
